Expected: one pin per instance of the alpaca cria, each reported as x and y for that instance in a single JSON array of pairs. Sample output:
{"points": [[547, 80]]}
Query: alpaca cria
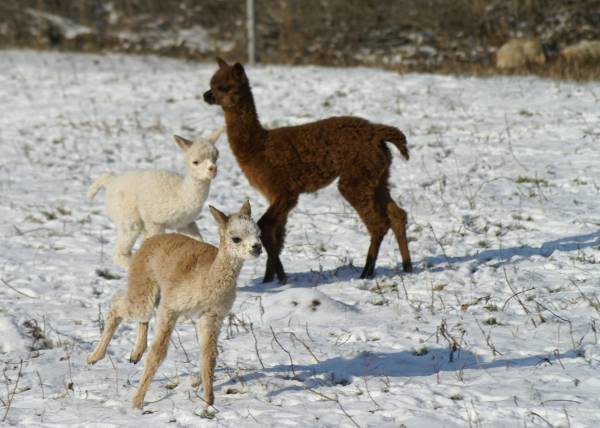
{"points": [[520, 53], [151, 201], [585, 51], [282, 163], [183, 277]]}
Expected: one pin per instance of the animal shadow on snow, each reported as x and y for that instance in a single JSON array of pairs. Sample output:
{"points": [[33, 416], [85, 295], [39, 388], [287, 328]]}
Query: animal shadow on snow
{"points": [[342, 371], [503, 255], [437, 263]]}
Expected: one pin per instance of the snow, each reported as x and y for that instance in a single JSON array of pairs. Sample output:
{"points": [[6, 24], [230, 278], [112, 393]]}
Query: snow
{"points": [[502, 192]]}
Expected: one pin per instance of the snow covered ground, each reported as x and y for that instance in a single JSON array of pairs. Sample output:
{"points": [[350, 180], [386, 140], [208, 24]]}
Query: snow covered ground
{"points": [[496, 327]]}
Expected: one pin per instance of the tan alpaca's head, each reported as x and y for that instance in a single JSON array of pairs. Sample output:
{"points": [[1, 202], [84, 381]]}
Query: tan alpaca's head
{"points": [[239, 234], [227, 85], [200, 155]]}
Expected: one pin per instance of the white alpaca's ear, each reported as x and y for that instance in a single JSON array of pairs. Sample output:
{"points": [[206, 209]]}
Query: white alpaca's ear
{"points": [[246, 210], [220, 218], [214, 136], [184, 144]]}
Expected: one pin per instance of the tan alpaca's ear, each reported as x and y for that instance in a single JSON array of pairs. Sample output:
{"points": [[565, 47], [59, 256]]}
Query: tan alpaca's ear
{"points": [[184, 144], [220, 218], [213, 137], [221, 62], [238, 72], [246, 210]]}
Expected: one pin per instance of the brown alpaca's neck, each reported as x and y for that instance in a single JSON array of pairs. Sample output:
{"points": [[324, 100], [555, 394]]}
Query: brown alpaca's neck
{"points": [[244, 131]]}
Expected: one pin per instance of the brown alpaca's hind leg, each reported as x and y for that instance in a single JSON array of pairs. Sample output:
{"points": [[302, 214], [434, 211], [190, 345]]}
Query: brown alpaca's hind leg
{"points": [[272, 227], [361, 195], [398, 219]]}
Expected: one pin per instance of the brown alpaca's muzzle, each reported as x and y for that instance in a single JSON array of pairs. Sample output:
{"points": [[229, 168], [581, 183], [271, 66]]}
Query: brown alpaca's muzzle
{"points": [[209, 98]]}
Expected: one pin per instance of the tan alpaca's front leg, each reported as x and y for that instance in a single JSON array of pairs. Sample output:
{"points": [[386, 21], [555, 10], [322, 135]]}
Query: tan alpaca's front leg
{"points": [[207, 329], [165, 322], [191, 230], [112, 322], [141, 343]]}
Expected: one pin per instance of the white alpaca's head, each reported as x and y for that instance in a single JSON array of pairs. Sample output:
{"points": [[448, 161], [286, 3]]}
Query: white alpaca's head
{"points": [[200, 155], [239, 234]]}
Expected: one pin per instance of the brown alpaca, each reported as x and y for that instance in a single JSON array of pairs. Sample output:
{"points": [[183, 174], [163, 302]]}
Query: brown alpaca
{"points": [[282, 163]]}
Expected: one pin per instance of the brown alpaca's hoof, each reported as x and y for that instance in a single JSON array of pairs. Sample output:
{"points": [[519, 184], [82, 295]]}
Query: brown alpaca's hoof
{"points": [[367, 273], [407, 266], [268, 278]]}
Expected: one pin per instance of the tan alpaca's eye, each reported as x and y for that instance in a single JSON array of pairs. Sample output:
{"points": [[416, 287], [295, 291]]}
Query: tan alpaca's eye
{"points": [[236, 240], [224, 88]]}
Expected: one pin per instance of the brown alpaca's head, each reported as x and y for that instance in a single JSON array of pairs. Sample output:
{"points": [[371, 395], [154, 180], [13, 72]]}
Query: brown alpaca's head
{"points": [[227, 85]]}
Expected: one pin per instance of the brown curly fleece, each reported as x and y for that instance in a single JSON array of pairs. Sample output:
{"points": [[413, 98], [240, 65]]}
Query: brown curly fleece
{"points": [[282, 163]]}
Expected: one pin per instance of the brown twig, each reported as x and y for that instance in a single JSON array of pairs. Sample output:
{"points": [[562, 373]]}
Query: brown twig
{"points": [[284, 350], [14, 391], [256, 345]]}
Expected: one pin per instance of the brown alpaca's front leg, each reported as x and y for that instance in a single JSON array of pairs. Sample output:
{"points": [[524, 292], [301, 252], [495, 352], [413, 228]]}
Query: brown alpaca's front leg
{"points": [[272, 227], [165, 322]]}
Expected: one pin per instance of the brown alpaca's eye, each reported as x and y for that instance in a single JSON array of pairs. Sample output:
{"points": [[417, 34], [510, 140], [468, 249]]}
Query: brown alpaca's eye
{"points": [[224, 88], [236, 240]]}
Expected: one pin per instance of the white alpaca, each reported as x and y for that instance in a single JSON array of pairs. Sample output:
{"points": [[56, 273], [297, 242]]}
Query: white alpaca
{"points": [[150, 201], [184, 278], [520, 53]]}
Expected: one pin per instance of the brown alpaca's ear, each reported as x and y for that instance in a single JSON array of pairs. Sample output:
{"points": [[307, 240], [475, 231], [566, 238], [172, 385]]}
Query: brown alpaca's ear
{"points": [[184, 144], [246, 210], [238, 72], [221, 62], [219, 217]]}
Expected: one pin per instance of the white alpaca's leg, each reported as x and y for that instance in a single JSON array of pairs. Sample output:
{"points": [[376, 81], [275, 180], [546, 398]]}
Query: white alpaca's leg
{"points": [[127, 234], [191, 230], [151, 229]]}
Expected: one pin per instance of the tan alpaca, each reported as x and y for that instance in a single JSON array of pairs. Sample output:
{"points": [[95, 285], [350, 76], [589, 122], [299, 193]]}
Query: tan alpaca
{"points": [[183, 277]]}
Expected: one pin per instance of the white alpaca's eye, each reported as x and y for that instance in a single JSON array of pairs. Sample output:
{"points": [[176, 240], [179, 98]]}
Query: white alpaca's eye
{"points": [[196, 162], [236, 240]]}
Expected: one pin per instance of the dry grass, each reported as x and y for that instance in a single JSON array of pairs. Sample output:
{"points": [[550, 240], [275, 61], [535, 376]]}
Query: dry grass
{"points": [[439, 36]]}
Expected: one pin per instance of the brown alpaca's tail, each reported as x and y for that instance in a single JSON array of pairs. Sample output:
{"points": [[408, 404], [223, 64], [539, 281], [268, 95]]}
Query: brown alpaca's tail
{"points": [[394, 136]]}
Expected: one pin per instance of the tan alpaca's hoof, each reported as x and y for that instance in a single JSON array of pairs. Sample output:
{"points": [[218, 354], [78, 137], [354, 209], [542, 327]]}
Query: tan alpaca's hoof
{"points": [[93, 358], [137, 402], [135, 357]]}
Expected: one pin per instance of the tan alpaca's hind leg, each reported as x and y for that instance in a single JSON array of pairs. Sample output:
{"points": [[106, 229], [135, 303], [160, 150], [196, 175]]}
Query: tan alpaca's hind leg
{"points": [[165, 322], [141, 343], [113, 320], [207, 329]]}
